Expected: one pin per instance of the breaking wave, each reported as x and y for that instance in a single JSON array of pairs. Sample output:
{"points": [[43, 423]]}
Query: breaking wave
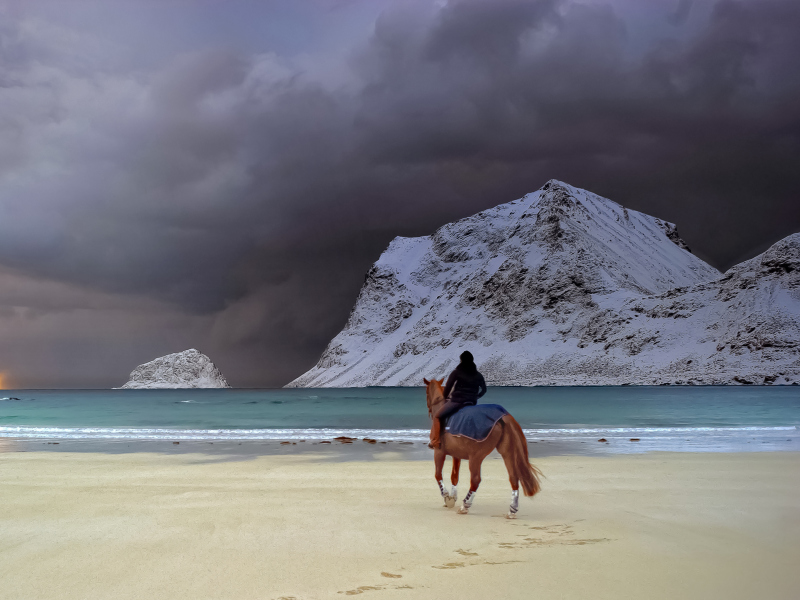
{"points": [[660, 437]]}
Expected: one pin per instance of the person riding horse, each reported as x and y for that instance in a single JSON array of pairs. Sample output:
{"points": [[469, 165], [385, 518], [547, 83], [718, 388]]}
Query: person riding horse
{"points": [[464, 386]]}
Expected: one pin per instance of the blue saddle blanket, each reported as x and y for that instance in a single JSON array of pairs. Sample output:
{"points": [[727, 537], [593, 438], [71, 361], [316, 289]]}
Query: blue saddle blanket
{"points": [[475, 422]]}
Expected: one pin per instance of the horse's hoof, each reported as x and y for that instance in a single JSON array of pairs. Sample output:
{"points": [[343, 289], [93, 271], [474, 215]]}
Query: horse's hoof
{"points": [[463, 510], [449, 501], [511, 515]]}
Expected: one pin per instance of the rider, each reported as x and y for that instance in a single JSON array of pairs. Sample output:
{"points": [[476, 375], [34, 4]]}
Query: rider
{"points": [[463, 388]]}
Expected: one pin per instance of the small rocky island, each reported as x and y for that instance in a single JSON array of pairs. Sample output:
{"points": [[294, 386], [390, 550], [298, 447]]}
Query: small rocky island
{"points": [[188, 369]]}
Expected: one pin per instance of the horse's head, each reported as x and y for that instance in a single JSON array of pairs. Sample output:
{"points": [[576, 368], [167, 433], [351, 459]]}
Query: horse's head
{"points": [[434, 394]]}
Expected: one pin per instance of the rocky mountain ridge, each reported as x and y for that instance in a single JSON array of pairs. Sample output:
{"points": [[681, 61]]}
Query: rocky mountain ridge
{"points": [[564, 287]]}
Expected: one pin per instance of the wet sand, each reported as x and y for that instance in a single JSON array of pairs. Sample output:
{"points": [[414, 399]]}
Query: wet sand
{"points": [[309, 525]]}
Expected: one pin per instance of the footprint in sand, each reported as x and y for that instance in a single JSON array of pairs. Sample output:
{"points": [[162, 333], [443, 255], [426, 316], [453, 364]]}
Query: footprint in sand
{"points": [[368, 588], [553, 528], [553, 535], [576, 542], [466, 552], [452, 565], [360, 590]]}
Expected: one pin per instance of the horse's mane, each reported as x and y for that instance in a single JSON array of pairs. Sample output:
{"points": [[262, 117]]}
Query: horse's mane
{"points": [[435, 391]]}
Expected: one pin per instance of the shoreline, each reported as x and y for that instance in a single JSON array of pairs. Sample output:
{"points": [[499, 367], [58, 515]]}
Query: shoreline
{"points": [[308, 526], [541, 442]]}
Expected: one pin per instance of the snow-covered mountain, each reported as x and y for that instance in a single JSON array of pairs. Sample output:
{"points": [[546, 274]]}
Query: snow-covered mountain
{"points": [[564, 287], [187, 369]]}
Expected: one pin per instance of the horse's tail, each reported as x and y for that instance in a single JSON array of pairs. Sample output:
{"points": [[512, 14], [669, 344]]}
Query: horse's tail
{"points": [[527, 474]]}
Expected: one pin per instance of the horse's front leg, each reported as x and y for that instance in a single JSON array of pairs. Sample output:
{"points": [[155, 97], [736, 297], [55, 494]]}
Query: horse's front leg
{"points": [[474, 482], [453, 496], [438, 461]]}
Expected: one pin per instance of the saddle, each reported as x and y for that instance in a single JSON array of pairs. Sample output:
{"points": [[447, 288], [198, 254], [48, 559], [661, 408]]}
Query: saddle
{"points": [[475, 422]]}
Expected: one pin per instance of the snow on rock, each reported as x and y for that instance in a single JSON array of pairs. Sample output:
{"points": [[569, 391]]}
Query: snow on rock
{"points": [[187, 369], [564, 287]]}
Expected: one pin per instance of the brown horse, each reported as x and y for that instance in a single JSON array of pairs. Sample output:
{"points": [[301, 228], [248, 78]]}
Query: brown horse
{"points": [[506, 437]]}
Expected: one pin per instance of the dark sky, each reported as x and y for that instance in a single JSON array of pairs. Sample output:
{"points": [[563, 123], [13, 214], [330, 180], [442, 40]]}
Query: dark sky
{"points": [[220, 175]]}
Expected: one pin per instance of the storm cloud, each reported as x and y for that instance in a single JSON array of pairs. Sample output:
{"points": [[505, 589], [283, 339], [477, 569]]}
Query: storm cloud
{"points": [[229, 193]]}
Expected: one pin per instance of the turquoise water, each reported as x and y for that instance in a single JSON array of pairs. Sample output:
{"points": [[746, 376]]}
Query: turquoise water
{"points": [[662, 418]]}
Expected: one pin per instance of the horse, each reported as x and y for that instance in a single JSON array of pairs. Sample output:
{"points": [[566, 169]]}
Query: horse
{"points": [[506, 437]]}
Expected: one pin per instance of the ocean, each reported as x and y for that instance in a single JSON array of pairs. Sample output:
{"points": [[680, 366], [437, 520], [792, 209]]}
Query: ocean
{"points": [[570, 419]]}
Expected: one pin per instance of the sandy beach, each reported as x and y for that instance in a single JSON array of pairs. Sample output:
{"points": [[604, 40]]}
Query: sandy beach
{"points": [[305, 526]]}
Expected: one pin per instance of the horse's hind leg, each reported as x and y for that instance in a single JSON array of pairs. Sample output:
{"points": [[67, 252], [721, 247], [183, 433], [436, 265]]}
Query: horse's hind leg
{"points": [[514, 480], [474, 482]]}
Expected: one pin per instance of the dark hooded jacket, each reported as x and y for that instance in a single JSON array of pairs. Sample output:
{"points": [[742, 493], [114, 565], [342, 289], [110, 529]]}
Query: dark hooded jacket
{"points": [[464, 387]]}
